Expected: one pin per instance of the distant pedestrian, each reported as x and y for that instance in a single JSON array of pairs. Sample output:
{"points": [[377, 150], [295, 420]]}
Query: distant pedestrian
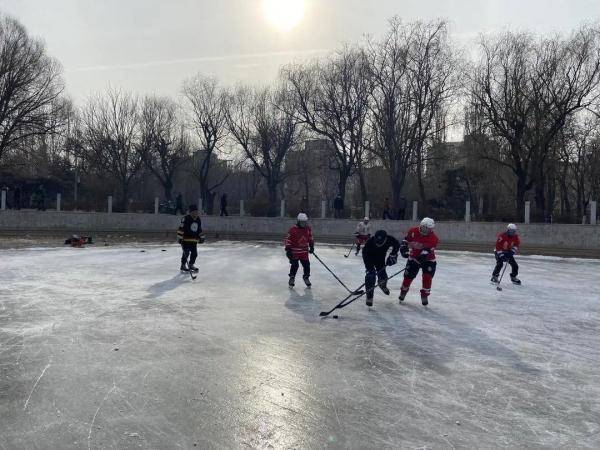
{"points": [[401, 208], [304, 205], [387, 209], [224, 205], [17, 198], [179, 204], [338, 207], [40, 198]]}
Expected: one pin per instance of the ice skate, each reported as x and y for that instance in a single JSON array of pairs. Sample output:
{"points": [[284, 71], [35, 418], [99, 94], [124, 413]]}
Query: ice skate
{"points": [[307, 281]]}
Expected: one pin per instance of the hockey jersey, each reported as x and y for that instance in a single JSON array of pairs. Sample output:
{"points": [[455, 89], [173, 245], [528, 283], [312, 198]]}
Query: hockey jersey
{"points": [[299, 240], [506, 243], [189, 230], [421, 245]]}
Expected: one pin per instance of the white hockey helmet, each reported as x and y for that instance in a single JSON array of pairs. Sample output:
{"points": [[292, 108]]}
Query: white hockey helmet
{"points": [[511, 229], [302, 217], [428, 223], [366, 219]]}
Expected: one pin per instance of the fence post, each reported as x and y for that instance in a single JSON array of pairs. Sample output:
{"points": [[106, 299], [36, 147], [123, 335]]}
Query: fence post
{"points": [[323, 209], [593, 213], [468, 211], [242, 212], [282, 208], [367, 209], [3, 204], [527, 212], [415, 210], [200, 210], [155, 205], [58, 198], [481, 207], [110, 204]]}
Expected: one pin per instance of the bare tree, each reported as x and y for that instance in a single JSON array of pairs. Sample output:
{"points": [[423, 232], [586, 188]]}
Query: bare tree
{"points": [[414, 73], [261, 123], [580, 161], [209, 106], [111, 139], [163, 145], [30, 86], [526, 88], [331, 98]]}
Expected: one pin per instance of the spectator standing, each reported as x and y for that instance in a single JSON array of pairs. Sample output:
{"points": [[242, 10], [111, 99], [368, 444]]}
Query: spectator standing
{"points": [[338, 207]]}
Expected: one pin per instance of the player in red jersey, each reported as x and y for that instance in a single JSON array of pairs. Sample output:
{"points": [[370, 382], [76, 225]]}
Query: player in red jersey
{"points": [[507, 246], [419, 247], [362, 234], [298, 244]]}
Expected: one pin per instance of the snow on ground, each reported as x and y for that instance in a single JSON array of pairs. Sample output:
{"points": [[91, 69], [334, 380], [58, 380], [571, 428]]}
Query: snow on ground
{"points": [[113, 348]]}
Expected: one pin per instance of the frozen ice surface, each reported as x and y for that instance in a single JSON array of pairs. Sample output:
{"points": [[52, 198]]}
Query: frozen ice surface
{"points": [[113, 348]]}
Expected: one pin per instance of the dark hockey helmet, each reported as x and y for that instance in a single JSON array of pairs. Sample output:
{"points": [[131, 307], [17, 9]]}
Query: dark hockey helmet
{"points": [[380, 237]]}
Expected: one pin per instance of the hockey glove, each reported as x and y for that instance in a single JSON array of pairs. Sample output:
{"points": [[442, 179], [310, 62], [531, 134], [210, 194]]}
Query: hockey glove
{"points": [[311, 249], [391, 260], [289, 254], [404, 249], [202, 239]]}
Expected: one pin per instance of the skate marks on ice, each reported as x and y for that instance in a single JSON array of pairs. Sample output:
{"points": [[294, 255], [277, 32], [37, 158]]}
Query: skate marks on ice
{"points": [[246, 362]]}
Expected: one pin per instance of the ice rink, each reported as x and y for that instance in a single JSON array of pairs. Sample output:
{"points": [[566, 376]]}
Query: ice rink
{"points": [[112, 347]]}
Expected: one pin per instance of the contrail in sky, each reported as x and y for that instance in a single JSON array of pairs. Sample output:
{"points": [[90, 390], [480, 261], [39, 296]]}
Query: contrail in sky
{"points": [[199, 59]]}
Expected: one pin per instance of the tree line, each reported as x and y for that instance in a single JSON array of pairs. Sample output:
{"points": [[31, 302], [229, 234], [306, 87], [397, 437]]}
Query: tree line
{"points": [[527, 105]]}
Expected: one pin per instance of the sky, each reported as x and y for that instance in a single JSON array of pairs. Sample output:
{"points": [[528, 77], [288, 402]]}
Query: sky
{"points": [[152, 46]]}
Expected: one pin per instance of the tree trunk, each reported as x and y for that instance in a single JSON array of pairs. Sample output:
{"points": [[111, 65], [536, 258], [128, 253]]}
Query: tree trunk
{"points": [[272, 189], [125, 196], [521, 191], [364, 195], [422, 194], [168, 188], [540, 197], [342, 182], [208, 199], [566, 202]]}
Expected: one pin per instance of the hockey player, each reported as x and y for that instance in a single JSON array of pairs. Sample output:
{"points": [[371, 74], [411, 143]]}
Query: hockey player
{"points": [[419, 247], [374, 256], [189, 234], [362, 233], [507, 246], [298, 244]]}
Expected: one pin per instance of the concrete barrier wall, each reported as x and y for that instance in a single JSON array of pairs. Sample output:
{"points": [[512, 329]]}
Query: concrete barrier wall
{"points": [[478, 233]]}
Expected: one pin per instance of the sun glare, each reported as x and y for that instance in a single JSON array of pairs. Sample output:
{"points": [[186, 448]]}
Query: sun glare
{"points": [[283, 14]]}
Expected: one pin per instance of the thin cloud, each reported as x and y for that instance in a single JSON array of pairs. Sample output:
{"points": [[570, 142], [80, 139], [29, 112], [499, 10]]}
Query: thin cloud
{"points": [[167, 62]]}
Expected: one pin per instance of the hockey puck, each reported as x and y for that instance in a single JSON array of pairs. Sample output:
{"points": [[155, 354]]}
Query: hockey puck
{"points": [[335, 317]]}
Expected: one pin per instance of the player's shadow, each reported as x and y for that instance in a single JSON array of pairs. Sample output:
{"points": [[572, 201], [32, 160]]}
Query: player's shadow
{"points": [[162, 287], [303, 304], [450, 336], [416, 344]]}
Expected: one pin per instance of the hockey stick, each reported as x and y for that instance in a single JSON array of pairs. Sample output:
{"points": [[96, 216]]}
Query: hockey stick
{"points": [[349, 251], [498, 288], [336, 277], [345, 301]]}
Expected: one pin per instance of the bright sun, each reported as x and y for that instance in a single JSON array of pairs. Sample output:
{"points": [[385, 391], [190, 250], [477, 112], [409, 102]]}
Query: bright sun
{"points": [[283, 14]]}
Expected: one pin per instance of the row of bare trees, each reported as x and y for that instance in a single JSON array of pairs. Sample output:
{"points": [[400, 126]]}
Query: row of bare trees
{"points": [[531, 103]]}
